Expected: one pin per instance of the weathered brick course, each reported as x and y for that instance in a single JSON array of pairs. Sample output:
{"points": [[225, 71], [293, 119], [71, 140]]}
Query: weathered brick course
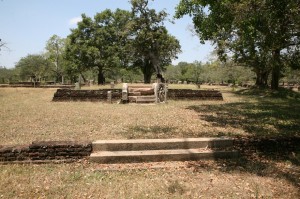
{"points": [[101, 95], [51, 150]]}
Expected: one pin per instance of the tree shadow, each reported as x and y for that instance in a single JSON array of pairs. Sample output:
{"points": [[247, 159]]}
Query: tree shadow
{"points": [[253, 164], [149, 132], [273, 128], [265, 117]]}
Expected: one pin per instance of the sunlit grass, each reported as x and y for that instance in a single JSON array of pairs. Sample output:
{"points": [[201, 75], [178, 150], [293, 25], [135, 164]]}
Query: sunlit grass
{"points": [[182, 180], [28, 114]]}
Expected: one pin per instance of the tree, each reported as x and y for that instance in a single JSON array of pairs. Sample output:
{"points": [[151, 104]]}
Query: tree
{"points": [[55, 48], [152, 47], [34, 67], [95, 42], [172, 73], [259, 33], [7, 75]]}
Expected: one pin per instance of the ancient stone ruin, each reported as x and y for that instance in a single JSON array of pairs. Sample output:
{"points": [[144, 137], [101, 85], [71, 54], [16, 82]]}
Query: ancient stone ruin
{"points": [[143, 93]]}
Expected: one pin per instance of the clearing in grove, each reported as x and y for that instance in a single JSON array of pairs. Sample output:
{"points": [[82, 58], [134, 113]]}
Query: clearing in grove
{"points": [[28, 115]]}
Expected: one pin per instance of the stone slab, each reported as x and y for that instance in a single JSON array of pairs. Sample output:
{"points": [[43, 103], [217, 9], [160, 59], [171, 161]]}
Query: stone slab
{"points": [[159, 155], [157, 144]]}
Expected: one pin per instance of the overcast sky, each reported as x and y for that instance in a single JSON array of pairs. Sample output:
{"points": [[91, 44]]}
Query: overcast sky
{"points": [[26, 25]]}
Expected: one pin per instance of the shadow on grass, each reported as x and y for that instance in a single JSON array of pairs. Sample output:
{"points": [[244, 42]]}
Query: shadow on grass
{"points": [[281, 93], [151, 132], [272, 121], [262, 116], [254, 165]]}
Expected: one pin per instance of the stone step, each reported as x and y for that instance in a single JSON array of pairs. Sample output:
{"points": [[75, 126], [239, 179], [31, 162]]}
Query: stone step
{"points": [[142, 99], [134, 94], [141, 86], [132, 98], [159, 155], [145, 99], [161, 144], [143, 91]]}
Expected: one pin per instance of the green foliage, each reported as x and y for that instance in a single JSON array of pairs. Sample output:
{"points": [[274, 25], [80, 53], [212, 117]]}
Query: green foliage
{"points": [[95, 42], [291, 76], [55, 51], [153, 48], [122, 39], [130, 75], [261, 34], [34, 66], [214, 71], [172, 73], [8, 75]]}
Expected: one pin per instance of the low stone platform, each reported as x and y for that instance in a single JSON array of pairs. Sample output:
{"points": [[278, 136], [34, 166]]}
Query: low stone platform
{"points": [[151, 150], [155, 150], [86, 95], [101, 95]]}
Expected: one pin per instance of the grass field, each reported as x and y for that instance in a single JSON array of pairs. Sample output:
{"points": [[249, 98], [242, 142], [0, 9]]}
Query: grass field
{"points": [[28, 115]]}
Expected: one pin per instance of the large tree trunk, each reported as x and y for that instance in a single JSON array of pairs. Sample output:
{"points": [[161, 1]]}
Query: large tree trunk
{"points": [[147, 71], [261, 78], [82, 76], [101, 78], [147, 78], [275, 70]]}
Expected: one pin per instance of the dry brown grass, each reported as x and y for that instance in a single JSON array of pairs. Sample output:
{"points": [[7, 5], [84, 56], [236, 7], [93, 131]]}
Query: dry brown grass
{"points": [[28, 115], [182, 180]]}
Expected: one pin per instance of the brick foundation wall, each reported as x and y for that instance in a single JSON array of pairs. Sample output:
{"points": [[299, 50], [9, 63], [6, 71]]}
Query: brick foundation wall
{"points": [[283, 146], [50, 150], [189, 94], [101, 95], [86, 95], [36, 86]]}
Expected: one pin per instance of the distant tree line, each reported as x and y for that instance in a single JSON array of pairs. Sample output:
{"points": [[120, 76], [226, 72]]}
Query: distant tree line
{"points": [[210, 72], [255, 41], [111, 44]]}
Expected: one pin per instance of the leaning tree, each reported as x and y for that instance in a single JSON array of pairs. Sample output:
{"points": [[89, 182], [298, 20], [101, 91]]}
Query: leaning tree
{"points": [[153, 48]]}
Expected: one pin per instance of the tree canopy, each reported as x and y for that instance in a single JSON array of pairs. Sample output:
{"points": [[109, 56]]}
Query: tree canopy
{"points": [[55, 47], [154, 48], [34, 66], [136, 39], [94, 43], [262, 34]]}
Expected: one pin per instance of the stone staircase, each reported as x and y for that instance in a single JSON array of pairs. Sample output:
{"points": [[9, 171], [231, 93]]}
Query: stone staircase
{"points": [[141, 94], [155, 150]]}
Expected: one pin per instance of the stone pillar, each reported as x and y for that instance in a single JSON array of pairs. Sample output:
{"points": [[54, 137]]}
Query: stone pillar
{"points": [[112, 85], [125, 93], [77, 86], [109, 97], [166, 92], [155, 86]]}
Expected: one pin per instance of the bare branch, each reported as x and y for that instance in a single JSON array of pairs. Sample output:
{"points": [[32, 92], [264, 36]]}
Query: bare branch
{"points": [[3, 45]]}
